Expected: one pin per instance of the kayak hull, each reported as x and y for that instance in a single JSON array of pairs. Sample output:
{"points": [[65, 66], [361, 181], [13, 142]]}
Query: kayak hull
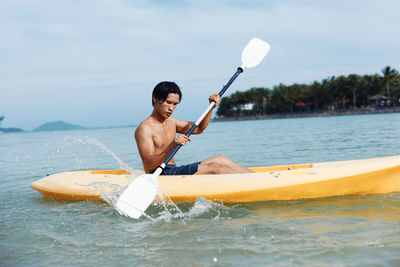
{"points": [[354, 177]]}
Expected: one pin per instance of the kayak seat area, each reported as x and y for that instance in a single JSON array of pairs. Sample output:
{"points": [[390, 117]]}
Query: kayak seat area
{"points": [[281, 168]]}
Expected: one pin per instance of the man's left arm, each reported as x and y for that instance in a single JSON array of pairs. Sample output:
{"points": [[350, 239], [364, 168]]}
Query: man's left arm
{"points": [[184, 126]]}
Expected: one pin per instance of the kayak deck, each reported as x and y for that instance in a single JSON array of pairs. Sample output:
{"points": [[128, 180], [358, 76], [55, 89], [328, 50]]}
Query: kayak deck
{"points": [[289, 182]]}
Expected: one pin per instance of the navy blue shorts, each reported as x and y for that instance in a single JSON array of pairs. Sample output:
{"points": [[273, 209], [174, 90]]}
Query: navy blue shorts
{"points": [[180, 170]]}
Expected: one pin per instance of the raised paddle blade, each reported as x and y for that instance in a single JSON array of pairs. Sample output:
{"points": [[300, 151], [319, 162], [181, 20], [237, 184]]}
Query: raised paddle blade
{"points": [[134, 201], [254, 53]]}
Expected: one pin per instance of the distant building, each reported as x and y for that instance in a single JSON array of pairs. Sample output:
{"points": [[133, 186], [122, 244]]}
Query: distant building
{"points": [[248, 106], [300, 104], [378, 100]]}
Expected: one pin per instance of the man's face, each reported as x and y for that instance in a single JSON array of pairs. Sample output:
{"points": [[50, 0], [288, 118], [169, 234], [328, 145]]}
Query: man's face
{"points": [[166, 108]]}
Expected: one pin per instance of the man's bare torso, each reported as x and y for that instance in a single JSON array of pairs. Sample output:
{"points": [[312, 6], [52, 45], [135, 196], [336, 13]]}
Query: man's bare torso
{"points": [[162, 134]]}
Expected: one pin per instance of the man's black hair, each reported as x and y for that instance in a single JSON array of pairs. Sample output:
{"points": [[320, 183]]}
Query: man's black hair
{"points": [[162, 90]]}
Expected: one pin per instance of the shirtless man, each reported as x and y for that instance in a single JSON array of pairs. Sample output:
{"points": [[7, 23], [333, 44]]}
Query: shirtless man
{"points": [[155, 136]]}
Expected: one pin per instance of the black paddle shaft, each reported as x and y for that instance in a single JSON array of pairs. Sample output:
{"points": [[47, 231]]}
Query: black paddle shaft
{"points": [[194, 126]]}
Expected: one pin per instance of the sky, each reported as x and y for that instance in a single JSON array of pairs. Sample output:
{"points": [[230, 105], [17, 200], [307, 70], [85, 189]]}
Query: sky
{"points": [[95, 63]]}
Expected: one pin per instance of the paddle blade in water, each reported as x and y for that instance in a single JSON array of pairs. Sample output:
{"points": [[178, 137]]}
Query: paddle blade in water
{"points": [[134, 201], [254, 53]]}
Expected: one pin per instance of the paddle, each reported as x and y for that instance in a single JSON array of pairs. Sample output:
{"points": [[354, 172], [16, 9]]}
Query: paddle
{"points": [[134, 201]]}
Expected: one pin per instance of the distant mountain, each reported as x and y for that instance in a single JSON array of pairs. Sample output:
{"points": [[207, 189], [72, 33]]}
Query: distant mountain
{"points": [[57, 126], [10, 130]]}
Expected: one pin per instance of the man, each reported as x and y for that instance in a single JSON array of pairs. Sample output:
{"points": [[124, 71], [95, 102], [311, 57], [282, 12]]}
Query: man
{"points": [[155, 136]]}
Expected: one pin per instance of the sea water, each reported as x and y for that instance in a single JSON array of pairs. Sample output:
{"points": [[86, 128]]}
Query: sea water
{"points": [[344, 230]]}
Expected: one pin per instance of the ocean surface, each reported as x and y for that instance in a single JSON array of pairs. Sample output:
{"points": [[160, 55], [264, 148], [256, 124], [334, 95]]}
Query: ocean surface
{"points": [[345, 230]]}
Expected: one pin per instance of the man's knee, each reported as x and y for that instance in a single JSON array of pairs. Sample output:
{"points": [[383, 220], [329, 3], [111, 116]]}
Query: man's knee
{"points": [[222, 159], [213, 167]]}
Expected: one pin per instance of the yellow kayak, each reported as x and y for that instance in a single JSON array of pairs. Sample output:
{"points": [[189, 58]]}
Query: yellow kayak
{"points": [[316, 180]]}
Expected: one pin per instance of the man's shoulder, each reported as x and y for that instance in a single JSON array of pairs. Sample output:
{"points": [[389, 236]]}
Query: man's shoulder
{"points": [[144, 125], [143, 131], [145, 122]]}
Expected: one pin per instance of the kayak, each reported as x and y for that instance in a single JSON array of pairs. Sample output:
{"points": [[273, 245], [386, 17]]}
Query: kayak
{"points": [[289, 182]]}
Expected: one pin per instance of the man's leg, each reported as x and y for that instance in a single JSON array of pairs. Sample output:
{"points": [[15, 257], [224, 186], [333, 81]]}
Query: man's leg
{"points": [[220, 165]]}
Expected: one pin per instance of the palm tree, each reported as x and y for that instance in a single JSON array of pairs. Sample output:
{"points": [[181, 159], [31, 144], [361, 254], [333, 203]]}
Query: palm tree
{"points": [[353, 81], [388, 75]]}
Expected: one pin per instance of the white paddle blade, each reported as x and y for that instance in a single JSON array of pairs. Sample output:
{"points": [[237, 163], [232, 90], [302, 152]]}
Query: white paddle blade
{"points": [[134, 201], [254, 53]]}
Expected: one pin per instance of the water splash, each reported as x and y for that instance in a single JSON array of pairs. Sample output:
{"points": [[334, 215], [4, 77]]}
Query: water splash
{"points": [[104, 148], [162, 197], [163, 208], [201, 209], [108, 191]]}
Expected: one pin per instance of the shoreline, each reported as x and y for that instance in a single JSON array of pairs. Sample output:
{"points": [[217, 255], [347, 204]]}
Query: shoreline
{"points": [[347, 112]]}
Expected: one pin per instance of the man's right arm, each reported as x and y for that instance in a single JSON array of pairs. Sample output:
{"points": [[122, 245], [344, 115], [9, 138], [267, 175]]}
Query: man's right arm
{"points": [[150, 158]]}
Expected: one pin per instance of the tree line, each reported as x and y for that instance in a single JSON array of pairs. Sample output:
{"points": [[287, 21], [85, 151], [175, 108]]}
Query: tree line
{"points": [[334, 93]]}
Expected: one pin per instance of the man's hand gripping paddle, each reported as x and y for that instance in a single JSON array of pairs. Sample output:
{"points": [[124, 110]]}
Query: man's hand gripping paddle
{"points": [[134, 201]]}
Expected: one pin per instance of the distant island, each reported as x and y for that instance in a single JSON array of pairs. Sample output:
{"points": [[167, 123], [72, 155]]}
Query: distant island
{"points": [[57, 126], [9, 130]]}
